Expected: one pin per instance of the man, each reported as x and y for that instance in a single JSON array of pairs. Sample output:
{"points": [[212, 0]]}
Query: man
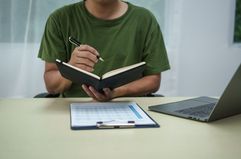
{"points": [[121, 33]]}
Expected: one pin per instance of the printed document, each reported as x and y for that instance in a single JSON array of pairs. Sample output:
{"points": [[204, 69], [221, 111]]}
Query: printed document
{"points": [[88, 114]]}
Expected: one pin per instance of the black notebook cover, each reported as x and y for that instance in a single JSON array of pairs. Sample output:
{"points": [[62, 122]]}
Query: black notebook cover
{"points": [[79, 76]]}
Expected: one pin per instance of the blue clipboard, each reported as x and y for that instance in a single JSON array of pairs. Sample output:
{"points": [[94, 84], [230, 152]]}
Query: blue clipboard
{"points": [[111, 115]]}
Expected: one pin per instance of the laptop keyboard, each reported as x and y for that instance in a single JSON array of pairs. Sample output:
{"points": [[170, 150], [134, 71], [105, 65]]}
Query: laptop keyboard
{"points": [[200, 111]]}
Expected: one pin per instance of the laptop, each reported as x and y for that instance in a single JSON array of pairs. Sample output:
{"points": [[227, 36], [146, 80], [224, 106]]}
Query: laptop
{"points": [[207, 109]]}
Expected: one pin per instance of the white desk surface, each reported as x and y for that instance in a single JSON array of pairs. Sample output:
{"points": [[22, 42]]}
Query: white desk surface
{"points": [[40, 129]]}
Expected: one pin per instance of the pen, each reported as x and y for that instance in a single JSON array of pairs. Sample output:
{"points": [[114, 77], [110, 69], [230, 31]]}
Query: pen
{"points": [[76, 43], [114, 124]]}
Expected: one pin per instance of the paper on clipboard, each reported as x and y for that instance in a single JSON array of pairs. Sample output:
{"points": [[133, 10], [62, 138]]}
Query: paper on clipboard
{"points": [[87, 115]]}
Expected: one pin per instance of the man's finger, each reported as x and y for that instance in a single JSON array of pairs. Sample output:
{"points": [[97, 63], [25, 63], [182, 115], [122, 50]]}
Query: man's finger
{"points": [[98, 95], [88, 48], [86, 89], [87, 55], [107, 92]]}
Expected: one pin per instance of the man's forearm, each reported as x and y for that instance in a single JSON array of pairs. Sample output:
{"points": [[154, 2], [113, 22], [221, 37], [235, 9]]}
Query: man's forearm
{"points": [[55, 83], [146, 85]]}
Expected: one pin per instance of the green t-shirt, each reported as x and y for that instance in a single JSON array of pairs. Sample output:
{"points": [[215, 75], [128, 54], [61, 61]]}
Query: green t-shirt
{"points": [[129, 39]]}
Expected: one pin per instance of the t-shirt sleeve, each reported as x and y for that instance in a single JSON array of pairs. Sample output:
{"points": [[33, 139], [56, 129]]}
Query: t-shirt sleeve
{"points": [[154, 53], [52, 46]]}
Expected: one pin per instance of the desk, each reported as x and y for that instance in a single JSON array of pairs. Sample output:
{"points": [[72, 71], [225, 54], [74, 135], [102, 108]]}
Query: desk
{"points": [[40, 129]]}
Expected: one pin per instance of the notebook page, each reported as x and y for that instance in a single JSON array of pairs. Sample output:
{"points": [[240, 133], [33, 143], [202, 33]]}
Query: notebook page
{"points": [[120, 70]]}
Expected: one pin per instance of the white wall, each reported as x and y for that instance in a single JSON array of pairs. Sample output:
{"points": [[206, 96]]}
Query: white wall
{"points": [[207, 56], [21, 72]]}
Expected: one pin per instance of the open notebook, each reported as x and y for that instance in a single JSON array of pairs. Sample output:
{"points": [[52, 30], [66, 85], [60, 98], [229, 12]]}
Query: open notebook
{"points": [[112, 79]]}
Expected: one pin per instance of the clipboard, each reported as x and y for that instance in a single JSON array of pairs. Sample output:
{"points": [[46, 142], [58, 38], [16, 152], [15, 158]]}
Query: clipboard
{"points": [[109, 115]]}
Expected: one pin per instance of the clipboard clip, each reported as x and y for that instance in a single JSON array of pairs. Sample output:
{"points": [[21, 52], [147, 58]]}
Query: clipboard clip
{"points": [[114, 124]]}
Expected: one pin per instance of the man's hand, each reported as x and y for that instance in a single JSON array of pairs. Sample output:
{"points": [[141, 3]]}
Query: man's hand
{"points": [[145, 85], [84, 57], [102, 97]]}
